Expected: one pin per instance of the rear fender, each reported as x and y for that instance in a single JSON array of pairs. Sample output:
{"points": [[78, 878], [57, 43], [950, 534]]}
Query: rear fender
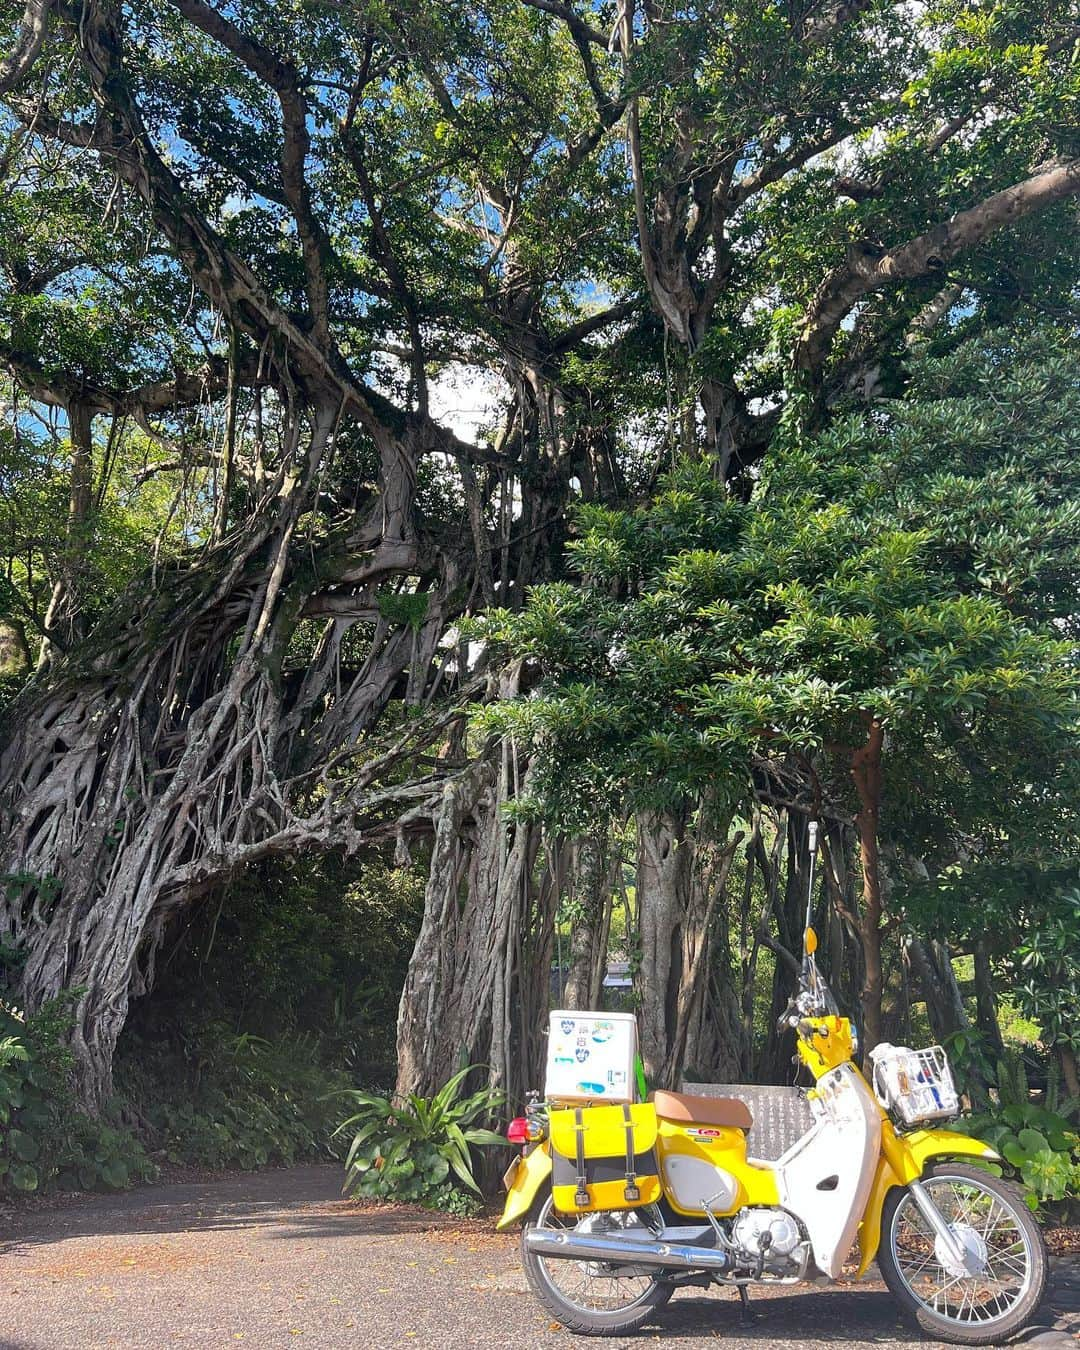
{"points": [[530, 1174], [903, 1160]]}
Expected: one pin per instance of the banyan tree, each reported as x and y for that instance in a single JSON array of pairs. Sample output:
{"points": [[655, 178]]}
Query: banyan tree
{"points": [[270, 260]]}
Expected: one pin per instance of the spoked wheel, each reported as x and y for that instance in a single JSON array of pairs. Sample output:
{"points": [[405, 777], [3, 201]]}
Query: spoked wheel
{"points": [[999, 1283], [594, 1298]]}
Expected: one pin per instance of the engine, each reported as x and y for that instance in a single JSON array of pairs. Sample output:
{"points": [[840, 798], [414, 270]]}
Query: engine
{"points": [[771, 1238]]}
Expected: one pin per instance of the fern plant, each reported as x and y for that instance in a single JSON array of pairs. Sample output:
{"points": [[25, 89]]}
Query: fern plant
{"points": [[411, 1149]]}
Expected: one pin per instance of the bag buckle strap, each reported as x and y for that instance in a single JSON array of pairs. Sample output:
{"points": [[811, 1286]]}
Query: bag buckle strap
{"points": [[581, 1195], [632, 1192]]}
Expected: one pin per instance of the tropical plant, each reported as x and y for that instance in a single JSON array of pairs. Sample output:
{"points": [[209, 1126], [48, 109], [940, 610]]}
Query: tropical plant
{"points": [[409, 1150], [1041, 1145], [221, 1099], [45, 1140]]}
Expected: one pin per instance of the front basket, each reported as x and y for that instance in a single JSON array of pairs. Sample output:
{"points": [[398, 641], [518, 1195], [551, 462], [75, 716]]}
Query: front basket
{"points": [[916, 1085]]}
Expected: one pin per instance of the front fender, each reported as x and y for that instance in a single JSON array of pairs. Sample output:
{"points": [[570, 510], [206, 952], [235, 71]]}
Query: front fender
{"points": [[530, 1173], [903, 1160]]}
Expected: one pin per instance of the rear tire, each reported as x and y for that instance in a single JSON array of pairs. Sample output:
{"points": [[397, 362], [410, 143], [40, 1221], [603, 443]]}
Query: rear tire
{"points": [[633, 1299], [993, 1218]]}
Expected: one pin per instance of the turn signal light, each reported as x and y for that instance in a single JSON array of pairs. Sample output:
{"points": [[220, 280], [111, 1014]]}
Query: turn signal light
{"points": [[518, 1130]]}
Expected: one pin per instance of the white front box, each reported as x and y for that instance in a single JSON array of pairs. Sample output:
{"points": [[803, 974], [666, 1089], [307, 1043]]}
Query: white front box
{"points": [[591, 1057]]}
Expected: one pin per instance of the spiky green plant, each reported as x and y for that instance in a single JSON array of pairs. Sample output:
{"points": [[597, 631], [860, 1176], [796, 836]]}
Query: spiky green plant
{"points": [[411, 1149]]}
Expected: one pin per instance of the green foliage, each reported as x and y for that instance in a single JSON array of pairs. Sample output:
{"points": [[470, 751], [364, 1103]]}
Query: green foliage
{"points": [[1047, 968], [970, 1059], [45, 1141], [323, 944], [404, 607], [227, 1073], [917, 565], [130, 524], [1028, 909], [1040, 1145], [227, 1100], [415, 1150]]}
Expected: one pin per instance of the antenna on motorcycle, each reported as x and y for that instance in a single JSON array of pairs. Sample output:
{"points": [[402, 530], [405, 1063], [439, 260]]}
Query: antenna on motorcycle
{"points": [[809, 936]]}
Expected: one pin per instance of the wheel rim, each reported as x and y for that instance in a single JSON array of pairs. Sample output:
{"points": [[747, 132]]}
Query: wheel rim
{"points": [[596, 1286], [996, 1244]]}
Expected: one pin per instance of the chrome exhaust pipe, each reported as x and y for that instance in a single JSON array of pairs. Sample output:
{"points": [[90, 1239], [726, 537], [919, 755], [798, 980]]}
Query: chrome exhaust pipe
{"points": [[566, 1244]]}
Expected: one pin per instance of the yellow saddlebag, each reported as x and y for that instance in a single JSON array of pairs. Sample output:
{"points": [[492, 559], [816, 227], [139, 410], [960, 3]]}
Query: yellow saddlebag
{"points": [[604, 1157]]}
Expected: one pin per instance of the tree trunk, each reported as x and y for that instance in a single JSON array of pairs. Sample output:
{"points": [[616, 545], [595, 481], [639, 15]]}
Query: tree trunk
{"points": [[14, 652], [985, 1001], [1067, 1056], [706, 952], [866, 774], [467, 980], [681, 882], [787, 908], [63, 622], [844, 945], [717, 1048], [589, 867], [932, 962], [663, 888]]}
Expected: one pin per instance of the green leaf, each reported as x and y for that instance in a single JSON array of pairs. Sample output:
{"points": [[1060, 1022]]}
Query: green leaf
{"points": [[479, 1136], [23, 1176], [23, 1145], [1031, 1141], [115, 1174]]}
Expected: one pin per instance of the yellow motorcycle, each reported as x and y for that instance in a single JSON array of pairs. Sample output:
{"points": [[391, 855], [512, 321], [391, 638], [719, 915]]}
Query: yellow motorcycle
{"points": [[624, 1202]]}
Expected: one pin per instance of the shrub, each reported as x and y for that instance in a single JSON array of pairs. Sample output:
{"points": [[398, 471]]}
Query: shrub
{"points": [[1039, 1144], [419, 1149], [233, 1100], [45, 1140]]}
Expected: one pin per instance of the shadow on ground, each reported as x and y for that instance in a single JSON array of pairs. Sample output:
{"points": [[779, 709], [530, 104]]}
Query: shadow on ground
{"points": [[296, 1202], [279, 1259]]}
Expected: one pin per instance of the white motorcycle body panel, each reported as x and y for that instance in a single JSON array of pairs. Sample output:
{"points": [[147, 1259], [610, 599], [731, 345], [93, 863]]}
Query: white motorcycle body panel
{"points": [[694, 1183], [844, 1144]]}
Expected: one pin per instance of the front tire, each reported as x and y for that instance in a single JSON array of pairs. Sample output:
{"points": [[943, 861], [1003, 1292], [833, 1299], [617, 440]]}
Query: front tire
{"points": [[590, 1298], [999, 1231]]}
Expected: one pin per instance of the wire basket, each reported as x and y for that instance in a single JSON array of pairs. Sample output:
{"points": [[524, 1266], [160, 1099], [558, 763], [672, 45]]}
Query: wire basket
{"points": [[915, 1084]]}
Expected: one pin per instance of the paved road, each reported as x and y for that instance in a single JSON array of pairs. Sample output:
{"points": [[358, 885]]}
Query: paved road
{"points": [[278, 1259]]}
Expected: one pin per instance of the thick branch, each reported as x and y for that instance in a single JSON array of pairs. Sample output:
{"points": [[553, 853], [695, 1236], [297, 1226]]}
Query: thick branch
{"points": [[187, 388], [925, 255], [593, 323], [391, 265], [793, 158], [35, 24], [282, 77], [579, 29], [226, 280]]}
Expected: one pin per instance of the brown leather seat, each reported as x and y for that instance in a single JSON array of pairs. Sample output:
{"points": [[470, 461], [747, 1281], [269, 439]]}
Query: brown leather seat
{"points": [[688, 1110]]}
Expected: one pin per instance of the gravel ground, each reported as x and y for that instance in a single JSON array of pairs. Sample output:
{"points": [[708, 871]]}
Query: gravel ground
{"points": [[278, 1259]]}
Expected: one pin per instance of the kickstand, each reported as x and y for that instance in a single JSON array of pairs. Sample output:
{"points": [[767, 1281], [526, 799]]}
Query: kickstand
{"points": [[746, 1317]]}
